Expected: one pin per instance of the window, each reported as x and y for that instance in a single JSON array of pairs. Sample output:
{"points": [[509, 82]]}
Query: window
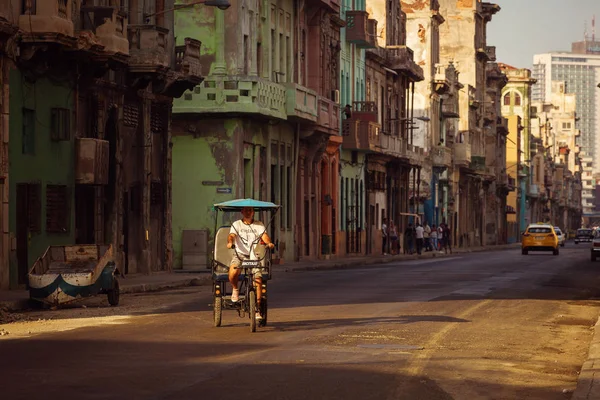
{"points": [[517, 99], [57, 209], [60, 124], [507, 99], [28, 133], [32, 196]]}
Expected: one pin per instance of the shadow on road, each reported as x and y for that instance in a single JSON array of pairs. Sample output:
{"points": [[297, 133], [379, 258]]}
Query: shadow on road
{"points": [[356, 322], [130, 369]]}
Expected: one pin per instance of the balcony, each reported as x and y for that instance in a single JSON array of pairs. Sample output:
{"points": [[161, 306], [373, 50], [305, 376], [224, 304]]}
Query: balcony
{"points": [[360, 30], [402, 61], [148, 48], [361, 135], [328, 116], [440, 80], [450, 109], [47, 21], [187, 71], [442, 157], [91, 161], [235, 95], [301, 103], [109, 25], [477, 163], [462, 154], [534, 191], [491, 53], [394, 146]]}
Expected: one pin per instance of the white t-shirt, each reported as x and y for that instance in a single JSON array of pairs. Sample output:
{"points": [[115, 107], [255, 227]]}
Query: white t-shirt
{"points": [[419, 231], [247, 236]]}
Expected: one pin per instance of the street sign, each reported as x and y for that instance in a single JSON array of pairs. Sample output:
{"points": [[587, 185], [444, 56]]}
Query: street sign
{"points": [[212, 183], [224, 190]]}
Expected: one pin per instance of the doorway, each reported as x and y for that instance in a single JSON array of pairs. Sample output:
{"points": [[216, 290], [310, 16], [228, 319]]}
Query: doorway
{"points": [[85, 201]]}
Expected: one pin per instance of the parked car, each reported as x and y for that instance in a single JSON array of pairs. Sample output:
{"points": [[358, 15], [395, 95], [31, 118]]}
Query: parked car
{"points": [[539, 237], [584, 235], [595, 249], [561, 236]]}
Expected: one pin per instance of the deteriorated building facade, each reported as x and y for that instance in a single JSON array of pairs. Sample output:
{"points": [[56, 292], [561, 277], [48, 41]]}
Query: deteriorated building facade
{"points": [[87, 93]]}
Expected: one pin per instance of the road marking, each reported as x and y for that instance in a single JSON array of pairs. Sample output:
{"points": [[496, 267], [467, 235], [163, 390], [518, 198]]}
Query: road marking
{"points": [[418, 363]]}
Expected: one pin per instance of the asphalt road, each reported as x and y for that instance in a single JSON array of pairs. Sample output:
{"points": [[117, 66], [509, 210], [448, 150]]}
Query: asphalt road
{"points": [[495, 325]]}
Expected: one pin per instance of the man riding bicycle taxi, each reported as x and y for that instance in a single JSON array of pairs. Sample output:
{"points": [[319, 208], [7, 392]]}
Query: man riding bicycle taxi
{"points": [[244, 233]]}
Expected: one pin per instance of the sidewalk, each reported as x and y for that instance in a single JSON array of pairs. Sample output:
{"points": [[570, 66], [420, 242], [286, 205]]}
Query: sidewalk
{"points": [[588, 383], [15, 300]]}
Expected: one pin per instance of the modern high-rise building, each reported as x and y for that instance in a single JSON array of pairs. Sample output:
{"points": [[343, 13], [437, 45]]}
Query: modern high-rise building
{"points": [[581, 74]]}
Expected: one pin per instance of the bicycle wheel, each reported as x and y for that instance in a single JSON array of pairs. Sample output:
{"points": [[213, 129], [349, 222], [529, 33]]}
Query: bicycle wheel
{"points": [[252, 312], [217, 310]]}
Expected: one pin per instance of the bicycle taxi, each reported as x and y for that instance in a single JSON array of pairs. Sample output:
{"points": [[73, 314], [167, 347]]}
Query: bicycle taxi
{"points": [[260, 258]]}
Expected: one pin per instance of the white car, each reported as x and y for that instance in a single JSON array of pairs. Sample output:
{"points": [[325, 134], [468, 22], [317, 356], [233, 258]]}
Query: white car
{"points": [[561, 236]]}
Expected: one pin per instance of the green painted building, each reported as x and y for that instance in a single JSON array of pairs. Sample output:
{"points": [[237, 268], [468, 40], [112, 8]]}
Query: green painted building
{"points": [[353, 76], [235, 135], [42, 167]]}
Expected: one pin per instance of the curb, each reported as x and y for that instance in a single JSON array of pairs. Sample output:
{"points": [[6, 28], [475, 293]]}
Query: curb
{"points": [[15, 305], [156, 287], [347, 264], [588, 386]]}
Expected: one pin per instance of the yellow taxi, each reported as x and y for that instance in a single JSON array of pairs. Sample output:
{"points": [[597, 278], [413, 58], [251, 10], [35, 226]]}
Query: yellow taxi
{"points": [[539, 237]]}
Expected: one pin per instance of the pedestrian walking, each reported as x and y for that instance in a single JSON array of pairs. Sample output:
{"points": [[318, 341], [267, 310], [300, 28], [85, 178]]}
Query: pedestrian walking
{"points": [[419, 232], [434, 238], [409, 235], [447, 239], [440, 230], [427, 237], [384, 236], [394, 248]]}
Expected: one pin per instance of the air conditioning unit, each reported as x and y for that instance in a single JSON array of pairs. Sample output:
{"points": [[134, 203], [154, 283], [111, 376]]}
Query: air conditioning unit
{"points": [[335, 96]]}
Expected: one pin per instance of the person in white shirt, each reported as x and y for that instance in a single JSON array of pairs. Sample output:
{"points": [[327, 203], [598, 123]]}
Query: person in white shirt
{"points": [[246, 233], [434, 238], [419, 231]]}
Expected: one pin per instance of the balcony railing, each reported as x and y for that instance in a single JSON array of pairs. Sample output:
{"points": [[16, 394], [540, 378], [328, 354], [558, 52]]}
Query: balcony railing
{"points": [[450, 108], [491, 52], [361, 135], [462, 154], [442, 85], [187, 58], [328, 116], [301, 103], [477, 163], [358, 29], [402, 60], [148, 48], [46, 21], [442, 157], [235, 94], [109, 25]]}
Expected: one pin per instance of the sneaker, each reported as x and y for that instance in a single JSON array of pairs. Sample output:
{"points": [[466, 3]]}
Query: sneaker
{"points": [[258, 317], [235, 295]]}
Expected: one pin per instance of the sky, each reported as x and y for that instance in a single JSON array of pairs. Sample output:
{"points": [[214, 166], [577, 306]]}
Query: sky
{"points": [[527, 27]]}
